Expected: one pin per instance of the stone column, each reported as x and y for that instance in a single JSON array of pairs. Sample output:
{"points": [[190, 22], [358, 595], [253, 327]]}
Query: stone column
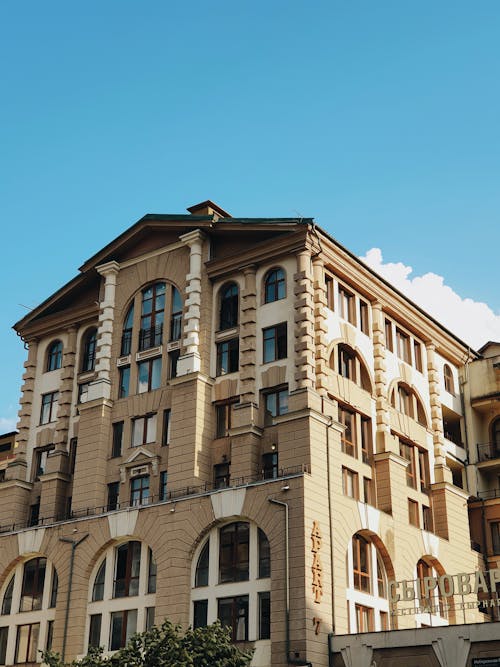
{"points": [[101, 388], [65, 392], [320, 326], [25, 412], [248, 336], [190, 361], [304, 322]]}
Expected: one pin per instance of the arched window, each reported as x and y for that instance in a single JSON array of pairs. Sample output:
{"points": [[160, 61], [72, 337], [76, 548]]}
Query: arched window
{"points": [[229, 306], [404, 399], [28, 611], [274, 286], [122, 595], [235, 588], [152, 316], [54, 356], [89, 350], [127, 332], [368, 606], [449, 385], [433, 606], [351, 366]]}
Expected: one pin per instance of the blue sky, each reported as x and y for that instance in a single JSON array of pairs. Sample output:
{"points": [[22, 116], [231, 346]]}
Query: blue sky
{"points": [[380, 119]]}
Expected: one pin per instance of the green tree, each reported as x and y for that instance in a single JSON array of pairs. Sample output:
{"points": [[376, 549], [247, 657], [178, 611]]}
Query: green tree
{"points": [[167, 646]]}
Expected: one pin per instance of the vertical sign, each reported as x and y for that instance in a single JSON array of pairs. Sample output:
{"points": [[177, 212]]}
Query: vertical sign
{"points": [[317, 567]]}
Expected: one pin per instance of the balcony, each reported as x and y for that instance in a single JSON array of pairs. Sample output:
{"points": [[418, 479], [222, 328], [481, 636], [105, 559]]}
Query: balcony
{"points": [[488, 451], [489, 494], [173, 495]]}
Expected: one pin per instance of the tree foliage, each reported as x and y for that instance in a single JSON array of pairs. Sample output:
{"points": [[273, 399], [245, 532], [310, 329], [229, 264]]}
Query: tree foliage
{"points": [[167, 646]]}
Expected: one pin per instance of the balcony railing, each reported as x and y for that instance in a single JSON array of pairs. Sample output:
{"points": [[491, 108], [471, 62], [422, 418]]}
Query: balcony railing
{"points": [[151, 337], [173, 495], [489, 494], [488, 451]]}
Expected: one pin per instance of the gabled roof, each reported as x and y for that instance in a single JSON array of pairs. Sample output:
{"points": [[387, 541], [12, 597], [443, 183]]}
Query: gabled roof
{"points": [[217, 221]]}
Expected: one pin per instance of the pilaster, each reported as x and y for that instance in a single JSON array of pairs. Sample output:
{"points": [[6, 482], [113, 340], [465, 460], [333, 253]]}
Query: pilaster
{"points": [[190, 361], [248, 336], [441, 471], [26, 406], [304, 322], [383, 432], [320, 326], [65, 392]]}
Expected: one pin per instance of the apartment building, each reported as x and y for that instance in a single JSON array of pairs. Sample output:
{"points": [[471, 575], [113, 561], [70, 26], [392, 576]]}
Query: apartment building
{"points": [[235, 418]]}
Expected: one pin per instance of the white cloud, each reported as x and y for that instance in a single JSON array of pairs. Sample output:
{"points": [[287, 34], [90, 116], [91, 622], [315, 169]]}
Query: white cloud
{"points": [[472, 321], [7, 425]]}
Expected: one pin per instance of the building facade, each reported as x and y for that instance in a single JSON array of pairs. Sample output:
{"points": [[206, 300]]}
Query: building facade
{"points": [[235, 418]]}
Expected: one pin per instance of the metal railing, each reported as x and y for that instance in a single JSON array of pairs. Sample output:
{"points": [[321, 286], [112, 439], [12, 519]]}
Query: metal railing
{"points": [[488, 494], [173, 495], [151, 337], [488, 451]]}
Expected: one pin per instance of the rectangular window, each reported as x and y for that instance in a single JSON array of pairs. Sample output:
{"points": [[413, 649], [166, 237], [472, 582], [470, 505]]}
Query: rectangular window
{"points": [[388, 336], [407, 451], [233, 613], [347, 305], [113, 496], [495, 537], [127, 567], [223, 417], [221, 475], [152, 571], [428, 523], [83, 391], [139, 490], [329, 292], [173, 358], [4, 634], [165, 436], [348, 437], [276, 403], [143, 430], [123, 626], [95, 630], [49, 407], [361, 564], [274, 343], [73, 443], [126, 343], [234, 552], [124, 380], [117, 447], [366, 439], [384, 620], [40, 461], [417, 354], [368, 491], [364, 318], [228, 356], [364, 618], [149, 375], [200, 612], [34, 514], [423, 466], [350, 483], [403, 345], [270, 465], [150, 618], [27, 643], [265, 615], [347, 363], [413, 513], [163, 485]]}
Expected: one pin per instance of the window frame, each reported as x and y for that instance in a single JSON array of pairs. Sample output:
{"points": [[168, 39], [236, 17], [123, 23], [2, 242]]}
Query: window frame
{"points": [[275, 343], [48, 409], [229, 298], [227, 356], [89, 351], [275, 285], [54, 356]]}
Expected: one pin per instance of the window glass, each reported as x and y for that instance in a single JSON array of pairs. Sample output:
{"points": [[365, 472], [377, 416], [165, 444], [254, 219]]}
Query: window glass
{"points": [[98, 588], [233, 552], [265, 615], [264, 555], [117, 439], [123, 626], [151, 572], [127, 566], [95, 630], [228, 307], [7, 598], [275, 285], [124, 379], [176, 316], [4, 634], [201, 577], [275, 342], [27, 642], [233, 613], [126, 343], [33, 582], [200, 612], [89, 351], [54, 356], [228, 356]]}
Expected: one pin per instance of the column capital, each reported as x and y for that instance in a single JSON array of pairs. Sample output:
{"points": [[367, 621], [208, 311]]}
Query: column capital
{"points": [[193, 237], [109, 268]]}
